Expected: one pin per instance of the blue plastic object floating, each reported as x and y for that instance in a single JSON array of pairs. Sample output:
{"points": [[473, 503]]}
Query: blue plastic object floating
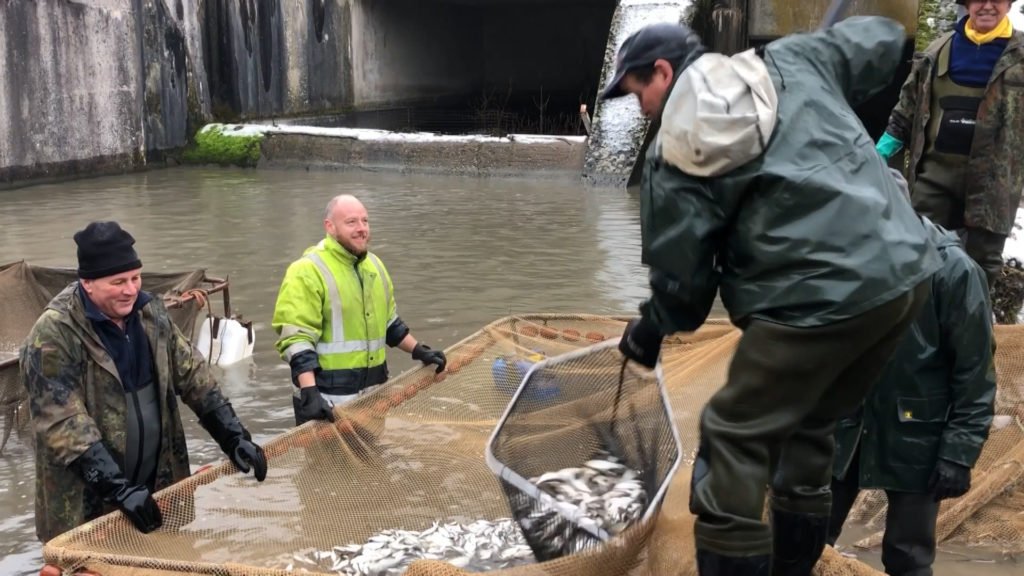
{"points": [[508, 373]]}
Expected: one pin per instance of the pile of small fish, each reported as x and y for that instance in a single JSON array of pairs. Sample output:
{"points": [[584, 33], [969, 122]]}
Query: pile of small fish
{"points": [[608, 493], [480, 546]]}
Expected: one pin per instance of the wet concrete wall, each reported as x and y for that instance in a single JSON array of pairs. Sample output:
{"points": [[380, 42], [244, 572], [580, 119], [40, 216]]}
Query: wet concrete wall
{"points": [[269, 58], [69, 87], [515, 156], [94, 87], [243, 54], [174, 95], [319, 55], [775, 18]]}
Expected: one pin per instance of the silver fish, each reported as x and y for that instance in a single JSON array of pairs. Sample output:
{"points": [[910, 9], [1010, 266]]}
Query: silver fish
{"points": [[607, 493], [478, 546]]}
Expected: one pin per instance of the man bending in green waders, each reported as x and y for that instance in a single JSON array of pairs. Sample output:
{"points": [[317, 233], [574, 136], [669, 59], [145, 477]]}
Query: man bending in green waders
{"points": [[763, 183]]}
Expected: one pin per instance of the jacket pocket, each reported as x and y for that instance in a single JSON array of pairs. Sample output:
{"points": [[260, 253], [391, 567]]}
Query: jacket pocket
{"points": [[922, 410], [956, 125], [912, 447]]}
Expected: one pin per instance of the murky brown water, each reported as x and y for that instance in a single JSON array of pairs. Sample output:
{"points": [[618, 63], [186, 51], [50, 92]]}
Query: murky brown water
{"points": [[462, 252]]}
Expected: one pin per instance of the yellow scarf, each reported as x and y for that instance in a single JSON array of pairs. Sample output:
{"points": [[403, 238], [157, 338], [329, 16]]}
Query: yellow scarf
{"points": [[1003, 30]]}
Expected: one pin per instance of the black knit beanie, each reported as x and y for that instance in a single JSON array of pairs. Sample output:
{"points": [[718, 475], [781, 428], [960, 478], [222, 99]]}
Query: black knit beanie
{"points": [[104, 249]]}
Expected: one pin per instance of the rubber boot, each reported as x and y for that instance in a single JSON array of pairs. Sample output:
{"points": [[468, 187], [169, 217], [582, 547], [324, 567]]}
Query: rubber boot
{"points": [[798, 541], [712, 564]]}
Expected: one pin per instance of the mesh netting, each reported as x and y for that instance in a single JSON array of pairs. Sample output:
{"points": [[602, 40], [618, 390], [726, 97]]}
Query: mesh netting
{"points": [[585, 449], [417, 464], [25, 290]]}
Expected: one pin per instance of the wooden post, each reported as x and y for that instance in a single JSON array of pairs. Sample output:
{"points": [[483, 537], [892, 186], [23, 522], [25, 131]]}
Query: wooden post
{"points": [[730, 23], [585, 118]]}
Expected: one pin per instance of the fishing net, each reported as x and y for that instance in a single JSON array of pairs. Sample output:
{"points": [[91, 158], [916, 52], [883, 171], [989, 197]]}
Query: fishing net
{"points": [[418, 465], [25, 290], [585, 449]]}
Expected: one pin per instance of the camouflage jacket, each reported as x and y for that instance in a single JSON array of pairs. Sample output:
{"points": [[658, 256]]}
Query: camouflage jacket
{"points": [[995, 174], [76, 398]]}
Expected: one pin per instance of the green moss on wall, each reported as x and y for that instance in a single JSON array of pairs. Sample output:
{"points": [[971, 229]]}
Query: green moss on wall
{"points": [[213, 146]]}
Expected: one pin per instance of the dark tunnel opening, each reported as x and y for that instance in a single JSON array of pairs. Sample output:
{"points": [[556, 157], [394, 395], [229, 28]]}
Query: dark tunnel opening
{"points": [[490, 67]]}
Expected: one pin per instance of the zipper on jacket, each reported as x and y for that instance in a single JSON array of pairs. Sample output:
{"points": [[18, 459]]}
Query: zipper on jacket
{"points": [[366, 325], [142, 440], [141, 452]]}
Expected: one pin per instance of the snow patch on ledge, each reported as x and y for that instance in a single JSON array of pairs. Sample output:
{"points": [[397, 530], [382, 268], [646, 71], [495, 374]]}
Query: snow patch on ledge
{"points": [[1014, 247], [385, 135]]}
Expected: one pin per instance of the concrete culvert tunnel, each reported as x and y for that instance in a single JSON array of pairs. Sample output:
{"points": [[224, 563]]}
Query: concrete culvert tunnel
{"points": [[475, 66]]}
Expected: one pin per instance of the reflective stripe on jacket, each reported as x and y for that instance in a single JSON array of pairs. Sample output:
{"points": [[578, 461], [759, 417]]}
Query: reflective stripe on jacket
{"points": [[340, 307]]}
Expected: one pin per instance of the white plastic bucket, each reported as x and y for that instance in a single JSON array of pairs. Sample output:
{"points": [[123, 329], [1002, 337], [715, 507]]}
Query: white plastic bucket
{"points": [[225, 341], [237, 341], [209, 345]]}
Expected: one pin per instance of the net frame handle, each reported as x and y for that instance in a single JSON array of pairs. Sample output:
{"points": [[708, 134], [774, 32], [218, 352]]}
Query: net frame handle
{"points": [[573, 513]]}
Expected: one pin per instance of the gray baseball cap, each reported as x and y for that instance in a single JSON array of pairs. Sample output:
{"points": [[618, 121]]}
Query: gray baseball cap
{"points": [[640, 50]]}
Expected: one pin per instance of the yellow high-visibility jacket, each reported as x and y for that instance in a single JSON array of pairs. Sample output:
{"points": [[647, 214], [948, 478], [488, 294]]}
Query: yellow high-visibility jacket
{"points": [[343, 309]]}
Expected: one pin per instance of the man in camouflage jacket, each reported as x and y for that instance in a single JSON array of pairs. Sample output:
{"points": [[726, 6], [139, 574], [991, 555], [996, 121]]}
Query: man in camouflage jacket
{"points": [[104, 367], [961, 117]]}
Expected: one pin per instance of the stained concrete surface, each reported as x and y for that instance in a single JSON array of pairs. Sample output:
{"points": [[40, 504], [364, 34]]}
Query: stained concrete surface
{"points": [[483, 157]]}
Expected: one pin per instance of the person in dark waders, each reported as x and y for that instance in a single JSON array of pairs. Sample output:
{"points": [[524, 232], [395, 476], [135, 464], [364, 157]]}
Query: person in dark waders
{"points": [[762, 183], [960, 118], [922, 427]]}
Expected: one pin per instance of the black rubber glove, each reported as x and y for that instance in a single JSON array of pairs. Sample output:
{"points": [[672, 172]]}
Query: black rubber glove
{"points": [[98, 469], [641, 342], [424, 354], [949, 480], [224, 426], [311, 406]]}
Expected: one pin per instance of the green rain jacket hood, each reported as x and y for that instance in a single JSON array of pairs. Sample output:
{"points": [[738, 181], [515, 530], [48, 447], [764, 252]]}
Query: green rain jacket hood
{"points": [[812, 231]]}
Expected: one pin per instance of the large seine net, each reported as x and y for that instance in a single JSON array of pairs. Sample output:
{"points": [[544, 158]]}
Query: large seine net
{"points": [[411, 457]]}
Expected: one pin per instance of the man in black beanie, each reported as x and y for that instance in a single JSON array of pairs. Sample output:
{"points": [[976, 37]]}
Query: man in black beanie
{"points": [[104, 367]]}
